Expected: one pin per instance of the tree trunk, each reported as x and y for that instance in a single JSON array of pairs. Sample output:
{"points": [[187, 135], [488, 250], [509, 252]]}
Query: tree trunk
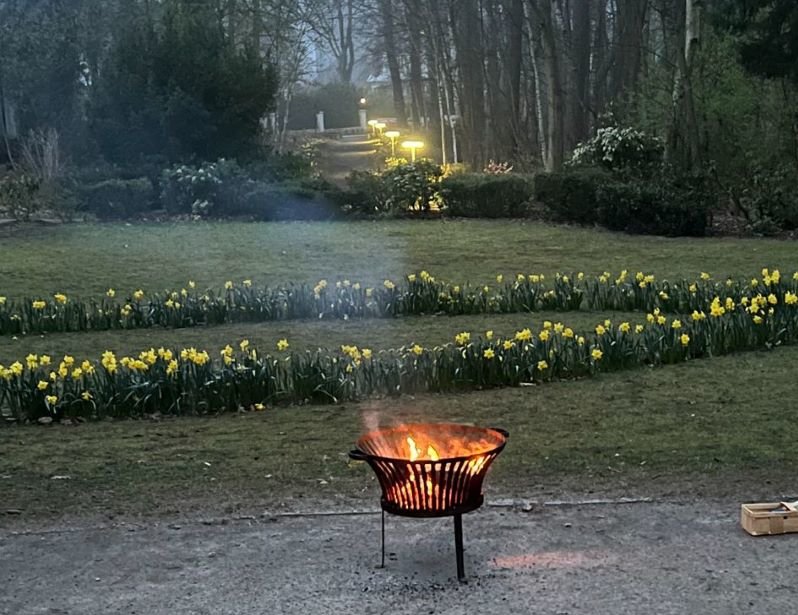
{"points": [[466, 24], [630, 19], [683, 146], [580, 121], [392, 58]]}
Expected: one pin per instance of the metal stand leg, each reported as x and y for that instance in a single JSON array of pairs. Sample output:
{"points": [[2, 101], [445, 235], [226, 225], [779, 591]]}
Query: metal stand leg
{"points": [[382, 562], [458, 547]]}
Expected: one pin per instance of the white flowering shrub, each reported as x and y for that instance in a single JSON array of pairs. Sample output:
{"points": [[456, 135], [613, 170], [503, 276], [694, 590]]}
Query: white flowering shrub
{"points": [[616, 149], [194, 189]]}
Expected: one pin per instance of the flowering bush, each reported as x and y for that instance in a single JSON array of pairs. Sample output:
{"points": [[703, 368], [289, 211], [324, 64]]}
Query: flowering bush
{"points": [[402, 188], [196, 190], [615, 149], [497, 168]]}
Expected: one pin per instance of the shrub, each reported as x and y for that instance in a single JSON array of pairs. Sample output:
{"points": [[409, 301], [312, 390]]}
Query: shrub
{"points": [[571, 195], [117, 198], [618, 149], [18, 195], [479, 195], [662, 205], [675, 207], [367, 193], [277, 202], [769, 200], [402, 188], [188, 189]]}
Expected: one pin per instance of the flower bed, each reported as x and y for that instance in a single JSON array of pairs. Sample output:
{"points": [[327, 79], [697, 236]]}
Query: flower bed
{"points": [[192, 381], [417, 294]]}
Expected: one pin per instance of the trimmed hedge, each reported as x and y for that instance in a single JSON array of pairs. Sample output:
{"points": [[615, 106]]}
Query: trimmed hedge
{"points": [[664, 205], [477, 195], [674, 208], [117, 198], [571, 195]]}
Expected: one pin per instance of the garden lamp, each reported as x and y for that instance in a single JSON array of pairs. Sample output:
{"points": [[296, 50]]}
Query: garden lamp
{"points": [[373, 125], [393, 135], [412, 146]]}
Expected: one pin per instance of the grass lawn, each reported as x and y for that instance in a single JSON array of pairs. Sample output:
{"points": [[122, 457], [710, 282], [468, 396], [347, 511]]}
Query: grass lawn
{"points": [[719, 426], [84, 260]]}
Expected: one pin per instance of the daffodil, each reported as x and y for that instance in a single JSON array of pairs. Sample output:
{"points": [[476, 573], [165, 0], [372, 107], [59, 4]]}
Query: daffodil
{"points": [[260, 407], [60, 298], [676, 324], [247, 283], [243, 345], [389, 285], [367, 353], [86, 396], [39, 304], [568, 333], [685, 339], [624, 327], [596, 354], [282, 345], [639, 329], [51, 400], [461, 339], [418, 350], [508, 344], [499, 279], [138, 295], [600, 330], [43, 384], [488, 335], [544, 335], [543, 366], [489, 353], [228, 285]]}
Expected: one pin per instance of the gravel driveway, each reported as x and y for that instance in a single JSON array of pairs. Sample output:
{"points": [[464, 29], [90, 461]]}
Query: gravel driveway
{"points": [[592, 559]]}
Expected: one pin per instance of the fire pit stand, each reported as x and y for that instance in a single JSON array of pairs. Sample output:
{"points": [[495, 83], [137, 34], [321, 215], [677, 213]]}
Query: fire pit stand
{"points": [[426, 484]]}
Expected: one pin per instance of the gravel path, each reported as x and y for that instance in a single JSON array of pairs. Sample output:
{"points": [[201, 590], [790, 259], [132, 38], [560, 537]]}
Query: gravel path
{"points": [[632, 558]]}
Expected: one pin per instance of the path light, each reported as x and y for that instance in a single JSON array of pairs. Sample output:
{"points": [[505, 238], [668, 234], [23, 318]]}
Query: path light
{"points": [[373, 125], [412, 146], [393, 135]]}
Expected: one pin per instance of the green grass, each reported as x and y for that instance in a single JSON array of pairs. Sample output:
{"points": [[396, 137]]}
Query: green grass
{"points": [[717, 428], [377, 334], [84, 260]]}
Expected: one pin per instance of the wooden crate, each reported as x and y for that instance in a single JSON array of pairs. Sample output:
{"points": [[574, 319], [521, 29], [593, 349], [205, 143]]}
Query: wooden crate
{"points": [[769, 518]]}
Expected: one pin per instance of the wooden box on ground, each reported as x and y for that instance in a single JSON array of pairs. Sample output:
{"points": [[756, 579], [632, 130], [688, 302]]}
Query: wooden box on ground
{"points": [[765, 519]]}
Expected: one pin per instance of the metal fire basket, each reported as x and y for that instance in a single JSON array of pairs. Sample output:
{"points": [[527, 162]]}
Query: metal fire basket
{"points": [[448, 485]]}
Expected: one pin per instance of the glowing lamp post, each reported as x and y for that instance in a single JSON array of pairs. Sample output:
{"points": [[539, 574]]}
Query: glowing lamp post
{"points": [[393, 135], [373, 125], [412, 146]]}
